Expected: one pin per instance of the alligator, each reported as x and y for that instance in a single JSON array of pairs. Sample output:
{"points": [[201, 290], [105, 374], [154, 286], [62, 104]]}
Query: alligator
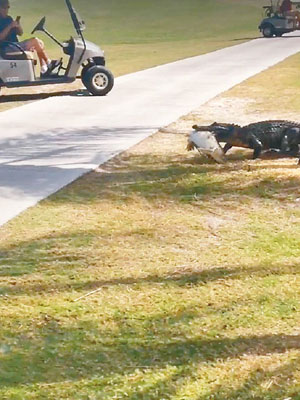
{"points": [[278, 135]]}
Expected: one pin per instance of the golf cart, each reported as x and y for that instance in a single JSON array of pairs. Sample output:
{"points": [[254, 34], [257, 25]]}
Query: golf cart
{"points": [[17, 67], [275, 23]]}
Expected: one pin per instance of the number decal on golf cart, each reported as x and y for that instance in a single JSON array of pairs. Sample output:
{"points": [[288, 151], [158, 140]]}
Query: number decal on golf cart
{"points": [[13, 79], [13, 65]]}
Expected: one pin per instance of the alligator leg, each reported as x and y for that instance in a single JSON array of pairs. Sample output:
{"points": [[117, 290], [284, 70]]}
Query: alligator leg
{"points": [[288, 148], [285, 147], [227, 147], [256, 145], [293, 150], [292, 138]]}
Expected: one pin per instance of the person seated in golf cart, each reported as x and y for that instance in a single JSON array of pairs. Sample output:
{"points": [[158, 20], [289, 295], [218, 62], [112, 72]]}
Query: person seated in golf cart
{"points": [[286, 9], [10, 30]]}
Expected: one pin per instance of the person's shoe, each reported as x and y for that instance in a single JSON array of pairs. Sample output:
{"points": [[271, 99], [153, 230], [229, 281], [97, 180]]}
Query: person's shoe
{"points": [[53, 64], [44, 74], [51, 67]]}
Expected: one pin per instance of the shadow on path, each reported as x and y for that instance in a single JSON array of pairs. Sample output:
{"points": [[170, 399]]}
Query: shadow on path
{"points": [[12, 98]]}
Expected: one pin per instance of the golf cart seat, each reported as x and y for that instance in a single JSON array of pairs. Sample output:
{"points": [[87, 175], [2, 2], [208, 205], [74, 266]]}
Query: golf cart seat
{"points": [[12, 51], [17, 55]]}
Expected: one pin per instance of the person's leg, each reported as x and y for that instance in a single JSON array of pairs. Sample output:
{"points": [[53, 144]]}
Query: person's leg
{"points": [[37, 45]]}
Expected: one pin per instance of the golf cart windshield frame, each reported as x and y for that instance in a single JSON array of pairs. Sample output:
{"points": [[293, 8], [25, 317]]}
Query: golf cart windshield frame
{"points": [[78, 23]]}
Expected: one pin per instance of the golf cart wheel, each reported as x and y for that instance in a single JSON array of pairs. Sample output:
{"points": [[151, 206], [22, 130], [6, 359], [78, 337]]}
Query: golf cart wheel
{"points": [[84, 71], [94, 61], [98, 80], [268, 31]]}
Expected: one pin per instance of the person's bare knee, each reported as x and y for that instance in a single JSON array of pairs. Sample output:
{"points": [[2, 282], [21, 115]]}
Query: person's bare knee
{"points": [[40, 43], [36, 44]]}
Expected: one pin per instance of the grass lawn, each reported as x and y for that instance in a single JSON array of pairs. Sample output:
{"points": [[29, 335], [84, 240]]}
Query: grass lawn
{"points": [[196, 267], [139, 34]]}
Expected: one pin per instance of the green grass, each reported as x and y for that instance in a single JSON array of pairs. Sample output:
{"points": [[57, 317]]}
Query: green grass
{"points": [[144, 33]]}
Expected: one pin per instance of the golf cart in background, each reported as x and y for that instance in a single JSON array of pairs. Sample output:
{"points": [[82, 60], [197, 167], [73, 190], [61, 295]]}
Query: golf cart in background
{"points": [[275, 23], [17, 67]]}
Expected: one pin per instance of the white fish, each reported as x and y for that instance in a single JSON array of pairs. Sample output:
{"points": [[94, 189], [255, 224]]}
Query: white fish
{"points": [[206, 143]]}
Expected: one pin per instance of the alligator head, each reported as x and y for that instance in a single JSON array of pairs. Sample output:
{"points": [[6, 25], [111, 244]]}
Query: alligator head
{"points": [[222, 131]]}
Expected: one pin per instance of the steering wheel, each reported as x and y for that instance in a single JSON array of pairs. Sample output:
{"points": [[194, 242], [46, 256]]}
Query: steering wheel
{"points": [[40, 26], [268, 11]]}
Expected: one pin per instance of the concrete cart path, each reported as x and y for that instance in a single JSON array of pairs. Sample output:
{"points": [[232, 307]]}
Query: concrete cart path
{"points": [[47, 144]]}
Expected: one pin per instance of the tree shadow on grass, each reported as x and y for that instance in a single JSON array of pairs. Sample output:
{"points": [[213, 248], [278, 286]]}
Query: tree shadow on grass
{"points": [[173, 181], [30, 257], [53, 353], [63, 257], [262, 385]]}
